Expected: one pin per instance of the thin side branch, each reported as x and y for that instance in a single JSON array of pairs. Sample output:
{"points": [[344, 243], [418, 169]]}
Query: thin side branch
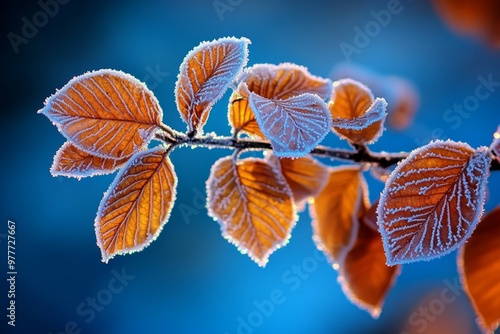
{"points": [[361, 154]]}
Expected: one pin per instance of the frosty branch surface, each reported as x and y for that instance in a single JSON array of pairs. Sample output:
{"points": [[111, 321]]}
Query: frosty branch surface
{"points": [[361, 154]]}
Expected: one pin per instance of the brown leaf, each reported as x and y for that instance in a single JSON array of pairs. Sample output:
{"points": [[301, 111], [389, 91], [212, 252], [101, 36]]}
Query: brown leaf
{"points": [[269, 81], [479, 268], [70, 161], [352, 100], [253, 204], [107, 113], [432, 201], [335, 213], [137, 204], [306, 176], [205, 75], [364, 276]]}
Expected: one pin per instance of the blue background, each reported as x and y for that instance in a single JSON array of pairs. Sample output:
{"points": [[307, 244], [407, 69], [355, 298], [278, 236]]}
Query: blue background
{"points": [[190, 280]]}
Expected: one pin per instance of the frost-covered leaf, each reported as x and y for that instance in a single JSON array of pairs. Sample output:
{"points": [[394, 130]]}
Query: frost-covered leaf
{"points": [[294, 126], [204, 76], [335, 213], [253, 204], [432, 201], [479, 268], [364, 276], [107, 113], [306, 176], [272, 82], [401, 95], [137, 204], [354, 102], [241, 117], [70, 161], [375, 113]]}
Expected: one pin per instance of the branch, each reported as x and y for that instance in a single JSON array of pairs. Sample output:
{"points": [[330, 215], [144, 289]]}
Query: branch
{"points": [[361, 154]]}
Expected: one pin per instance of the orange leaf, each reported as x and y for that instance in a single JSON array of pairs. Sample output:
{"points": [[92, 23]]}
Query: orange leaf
{"points": [[205, 75], [370, 216], [137, 204], [335, 213], [107, 113], [479, 268], [305, 176], [479, 18], [253, 205], [293, 126], [241, 117], [272, 82], [70, 161], [432, 201], [350, 101], [364, 276]]}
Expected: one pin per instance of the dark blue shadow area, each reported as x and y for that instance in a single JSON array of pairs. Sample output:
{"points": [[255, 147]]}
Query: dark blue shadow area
{"points": [[191, 280]]}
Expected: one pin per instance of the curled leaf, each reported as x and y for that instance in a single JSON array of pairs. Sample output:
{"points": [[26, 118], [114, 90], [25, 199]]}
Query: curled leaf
{"points": [[137, 204], [353, 103], [272, 82], [306, 176], [479, 268], [401, 95], [375, 113], [70, 161], [432, 201], [205, 74], [106, 113], [253, 204], [293, 126], [335, 213], [364, 276]]}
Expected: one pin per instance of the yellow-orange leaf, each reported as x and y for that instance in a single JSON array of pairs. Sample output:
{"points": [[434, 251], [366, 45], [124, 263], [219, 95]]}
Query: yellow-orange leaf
{"points": [[272, 82], [70, 161], [306, 176], [205, 75], [432, 201], [137, 204], [253, 204], [352, 100], [479, 268], [364, 276], [106, 113], [335, 213]]}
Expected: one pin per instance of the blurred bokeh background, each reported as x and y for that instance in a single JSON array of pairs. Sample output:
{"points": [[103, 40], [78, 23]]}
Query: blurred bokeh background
{"points": [[191, 280]]}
